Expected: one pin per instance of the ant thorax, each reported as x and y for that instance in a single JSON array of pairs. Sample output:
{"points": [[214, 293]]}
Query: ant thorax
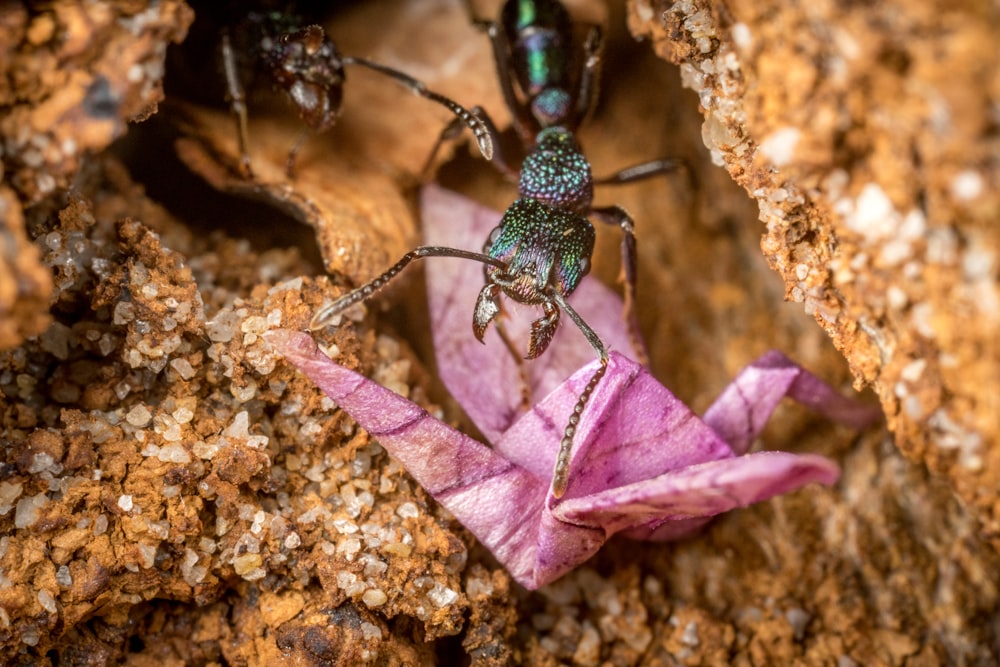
{"points": [[556, 172]]}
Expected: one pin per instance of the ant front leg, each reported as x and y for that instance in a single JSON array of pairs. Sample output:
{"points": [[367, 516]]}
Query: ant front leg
{"points": [[480, 124], [616, 215], [237, 102]]}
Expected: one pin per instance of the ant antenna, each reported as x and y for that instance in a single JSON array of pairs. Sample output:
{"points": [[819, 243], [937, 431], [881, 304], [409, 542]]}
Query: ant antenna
{"points": [[325, 315]]}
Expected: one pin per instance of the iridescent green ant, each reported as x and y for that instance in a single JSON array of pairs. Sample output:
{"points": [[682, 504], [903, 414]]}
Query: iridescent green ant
{"points": [[543, 245]]}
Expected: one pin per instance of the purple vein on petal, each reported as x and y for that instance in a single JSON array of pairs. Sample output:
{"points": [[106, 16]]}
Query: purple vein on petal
{"points": [[741, 411]]}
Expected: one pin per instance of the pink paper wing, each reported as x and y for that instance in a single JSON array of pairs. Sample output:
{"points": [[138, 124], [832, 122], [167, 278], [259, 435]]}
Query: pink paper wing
{"points": [[500, 503], [633, 429], [741, 411], [484, 378], [562, 547], [702, 490]]}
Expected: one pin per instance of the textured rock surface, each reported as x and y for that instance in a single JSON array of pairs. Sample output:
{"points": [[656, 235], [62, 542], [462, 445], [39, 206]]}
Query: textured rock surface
{"points": [[74, 74], [868, 138], [172, 493], [77, 73]]}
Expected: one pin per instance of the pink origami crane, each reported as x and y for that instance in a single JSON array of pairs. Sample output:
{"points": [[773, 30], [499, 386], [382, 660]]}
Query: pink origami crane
{"points": [[643, 464]]}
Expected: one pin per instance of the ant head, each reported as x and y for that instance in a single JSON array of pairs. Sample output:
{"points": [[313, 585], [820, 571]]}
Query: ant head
{"points": [[307, 65], [542, 247]]}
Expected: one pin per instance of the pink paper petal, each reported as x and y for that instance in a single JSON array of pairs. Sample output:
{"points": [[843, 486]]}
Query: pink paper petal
{"points": [[701, 490], [484, 378], [500, 503], [633, 429], [741, 411]]}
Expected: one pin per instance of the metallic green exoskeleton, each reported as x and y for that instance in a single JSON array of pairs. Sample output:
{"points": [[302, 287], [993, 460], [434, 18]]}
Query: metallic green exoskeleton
{"points": [[544, 243], [544, 240]]}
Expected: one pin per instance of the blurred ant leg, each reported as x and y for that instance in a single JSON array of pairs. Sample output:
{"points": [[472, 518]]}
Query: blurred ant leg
{"points": [[237, 102], [522, 368], [649, 169], [293, 153], [590, 76], [453, 130], [616, 215]]}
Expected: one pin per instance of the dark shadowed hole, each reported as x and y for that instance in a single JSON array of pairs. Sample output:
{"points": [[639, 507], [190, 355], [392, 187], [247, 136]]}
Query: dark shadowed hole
{"points": [[168, 181]]}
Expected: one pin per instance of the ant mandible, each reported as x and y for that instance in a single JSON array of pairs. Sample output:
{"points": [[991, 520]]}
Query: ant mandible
{"points": [[304, 62], [544, 243]]}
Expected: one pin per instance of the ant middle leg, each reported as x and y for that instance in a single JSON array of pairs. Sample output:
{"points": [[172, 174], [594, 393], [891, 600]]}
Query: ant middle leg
{"points": [[616, 215], [644, 170]]}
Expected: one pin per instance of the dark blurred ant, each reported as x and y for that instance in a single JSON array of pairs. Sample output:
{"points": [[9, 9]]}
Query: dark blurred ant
{"points": [[544, 243], [304, 62]]}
